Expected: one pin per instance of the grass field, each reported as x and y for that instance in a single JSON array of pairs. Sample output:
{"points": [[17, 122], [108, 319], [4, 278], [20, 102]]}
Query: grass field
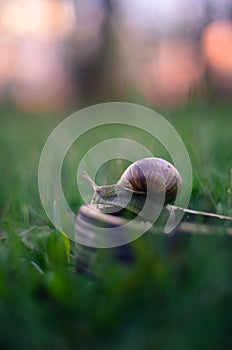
{"points": [[176, 294]]}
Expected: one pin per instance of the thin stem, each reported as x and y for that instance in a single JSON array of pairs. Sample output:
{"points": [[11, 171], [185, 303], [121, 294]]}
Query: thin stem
{"points": [[190, 211]]}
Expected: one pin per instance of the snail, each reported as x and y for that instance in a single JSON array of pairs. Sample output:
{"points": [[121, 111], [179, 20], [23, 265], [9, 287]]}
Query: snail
{"points": [[130, 191], [157, 174]]}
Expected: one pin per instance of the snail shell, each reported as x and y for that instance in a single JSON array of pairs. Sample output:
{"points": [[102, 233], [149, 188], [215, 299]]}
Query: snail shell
{"points": [[163, 177], [157, 174]]}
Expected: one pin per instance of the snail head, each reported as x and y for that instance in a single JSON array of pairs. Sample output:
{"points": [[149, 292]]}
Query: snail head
{"points": [[102, 194]]}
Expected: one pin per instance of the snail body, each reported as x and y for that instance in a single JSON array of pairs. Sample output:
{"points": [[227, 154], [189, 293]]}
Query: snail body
{"points": [[155, 174]]}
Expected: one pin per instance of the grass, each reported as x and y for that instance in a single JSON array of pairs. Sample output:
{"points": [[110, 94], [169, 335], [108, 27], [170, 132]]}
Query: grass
{"points": [[177, 292]]}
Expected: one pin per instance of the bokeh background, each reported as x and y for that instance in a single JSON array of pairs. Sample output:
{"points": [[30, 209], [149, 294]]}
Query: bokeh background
{"points": [[56, 57], [60, 52]]}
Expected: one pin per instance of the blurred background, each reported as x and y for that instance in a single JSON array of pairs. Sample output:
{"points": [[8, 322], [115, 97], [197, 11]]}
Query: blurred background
{"points": [[56, 57], [57, 53]]}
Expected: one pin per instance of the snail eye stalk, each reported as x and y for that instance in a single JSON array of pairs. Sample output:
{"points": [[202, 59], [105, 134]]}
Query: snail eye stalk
{"points": [[90, 180]]}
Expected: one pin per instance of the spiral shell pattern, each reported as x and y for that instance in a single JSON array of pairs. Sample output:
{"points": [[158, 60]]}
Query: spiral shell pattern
{"points": [[163, 177]]}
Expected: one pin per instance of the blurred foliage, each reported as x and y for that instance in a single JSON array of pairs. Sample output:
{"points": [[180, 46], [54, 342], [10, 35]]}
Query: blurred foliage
{"points": [[176, 293]]}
